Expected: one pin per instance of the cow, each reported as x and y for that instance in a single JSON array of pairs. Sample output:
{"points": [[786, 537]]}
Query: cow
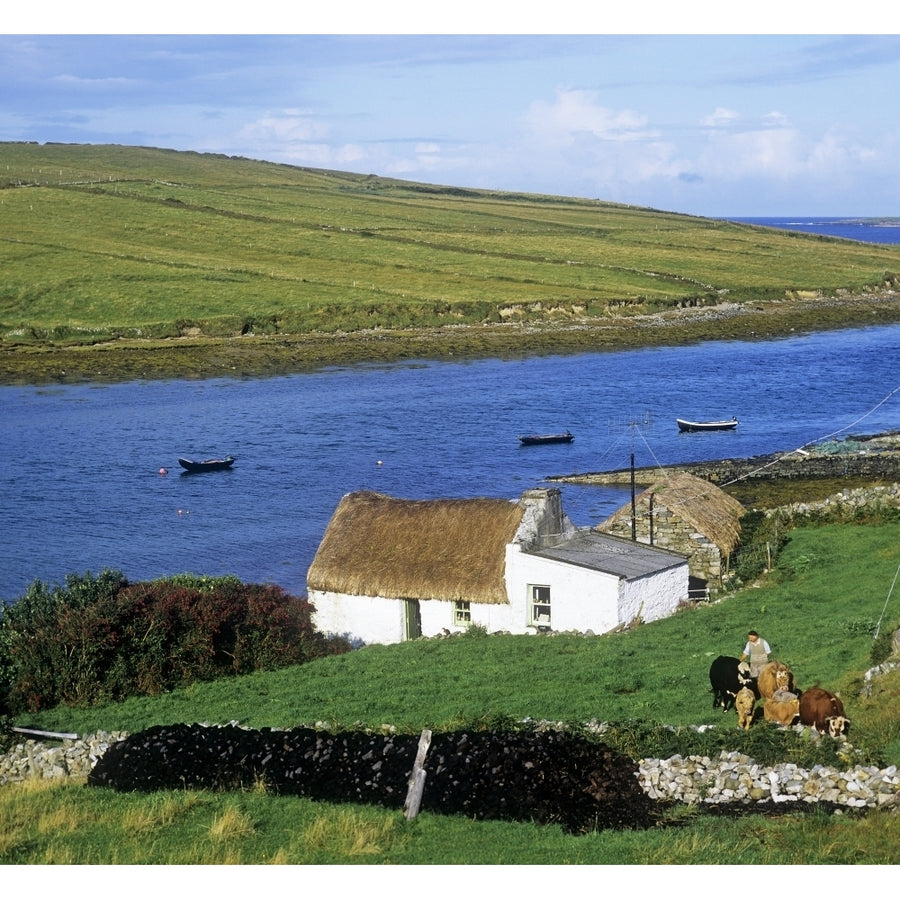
{"points": [[822, 710], [745, 703], [782, 708], [774, 676], [728, 675]]}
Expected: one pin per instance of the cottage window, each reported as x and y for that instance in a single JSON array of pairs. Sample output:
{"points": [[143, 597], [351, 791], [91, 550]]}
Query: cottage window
{"points": [[462, 612], [540, 604]]}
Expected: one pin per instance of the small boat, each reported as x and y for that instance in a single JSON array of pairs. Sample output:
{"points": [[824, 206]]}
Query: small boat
{"points": [[724, 425], [530, 439], [206, 465]]}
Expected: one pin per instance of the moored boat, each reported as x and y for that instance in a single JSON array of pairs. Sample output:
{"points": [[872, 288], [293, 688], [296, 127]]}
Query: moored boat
{"points": [[723, 425], [565, 437], [206, 465]]}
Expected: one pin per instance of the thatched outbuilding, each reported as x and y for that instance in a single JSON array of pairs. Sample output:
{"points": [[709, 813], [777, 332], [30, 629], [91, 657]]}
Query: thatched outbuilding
{"points": [[686, 514], [390, 569]]}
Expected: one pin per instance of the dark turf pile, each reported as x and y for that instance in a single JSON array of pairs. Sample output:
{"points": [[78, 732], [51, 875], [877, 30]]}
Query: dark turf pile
{"points": [[547, 777]]}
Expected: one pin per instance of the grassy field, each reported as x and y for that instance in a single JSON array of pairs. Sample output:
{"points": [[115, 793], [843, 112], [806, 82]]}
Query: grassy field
{"points": [[818, 609], [182, 263]]}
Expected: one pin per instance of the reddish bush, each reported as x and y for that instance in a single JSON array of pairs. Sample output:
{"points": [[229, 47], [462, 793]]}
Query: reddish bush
{"points": [[106, 639]]}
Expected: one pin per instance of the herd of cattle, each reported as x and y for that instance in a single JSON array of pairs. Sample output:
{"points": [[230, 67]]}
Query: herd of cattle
{"points": [[783, 704]]}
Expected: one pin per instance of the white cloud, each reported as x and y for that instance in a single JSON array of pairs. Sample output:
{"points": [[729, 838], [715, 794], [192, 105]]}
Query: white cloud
{"points": [[74, 82], [776, 120], [611, 150], [290, 126], [765, 151], [575, 113], [721, 118], [306, 153]]}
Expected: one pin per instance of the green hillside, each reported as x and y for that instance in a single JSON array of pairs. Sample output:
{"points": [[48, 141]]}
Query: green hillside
{"points": [[103, 243], [820, 608]]}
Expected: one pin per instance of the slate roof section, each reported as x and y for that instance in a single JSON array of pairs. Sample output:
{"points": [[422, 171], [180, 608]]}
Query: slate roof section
{"points": [[615, 556]]}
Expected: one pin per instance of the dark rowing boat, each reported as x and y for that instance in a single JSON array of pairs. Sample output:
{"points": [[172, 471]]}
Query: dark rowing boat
{"points": [[529, 440], [724, 425], [206, 465]]}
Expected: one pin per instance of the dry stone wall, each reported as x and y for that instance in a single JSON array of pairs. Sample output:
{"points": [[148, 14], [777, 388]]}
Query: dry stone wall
{"points": [[41, 759], [735, 778], [466, 774], [847, 505]]}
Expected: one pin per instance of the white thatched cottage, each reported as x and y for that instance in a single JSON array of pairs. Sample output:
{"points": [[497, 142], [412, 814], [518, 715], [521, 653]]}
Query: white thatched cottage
{"points": [[689, 515], [390, 570]]}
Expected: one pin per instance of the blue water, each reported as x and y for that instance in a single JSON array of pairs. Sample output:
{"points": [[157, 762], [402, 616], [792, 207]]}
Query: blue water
{"points": [[81, 488], [873, 231]]}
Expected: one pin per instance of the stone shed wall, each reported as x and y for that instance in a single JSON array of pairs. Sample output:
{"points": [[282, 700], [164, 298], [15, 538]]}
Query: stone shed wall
{"points": [[672, 531]]}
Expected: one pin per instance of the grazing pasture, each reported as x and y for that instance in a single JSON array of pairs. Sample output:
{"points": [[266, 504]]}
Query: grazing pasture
{"points": [[655, 673]]}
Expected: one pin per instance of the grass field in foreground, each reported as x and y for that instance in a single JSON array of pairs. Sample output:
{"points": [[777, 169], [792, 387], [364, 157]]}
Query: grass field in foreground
{"points": [[818, 609]]}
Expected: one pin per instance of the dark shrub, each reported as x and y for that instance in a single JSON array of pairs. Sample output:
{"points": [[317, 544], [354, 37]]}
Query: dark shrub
{"points": [[101, 639]]}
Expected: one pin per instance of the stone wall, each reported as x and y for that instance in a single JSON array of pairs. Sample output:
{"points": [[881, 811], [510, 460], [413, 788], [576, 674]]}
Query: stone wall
{"points": [[735, 778], [70, 758], [672, 532], [875, 457], [847, 505], [730, 778]]}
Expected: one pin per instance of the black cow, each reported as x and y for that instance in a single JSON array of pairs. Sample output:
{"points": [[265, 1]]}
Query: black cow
{"points": [[728, 675]]}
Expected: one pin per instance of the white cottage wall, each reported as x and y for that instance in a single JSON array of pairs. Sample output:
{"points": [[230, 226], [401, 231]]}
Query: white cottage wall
{"points": [[500, 617], [580, 599], [653, 596], [375, 620]]}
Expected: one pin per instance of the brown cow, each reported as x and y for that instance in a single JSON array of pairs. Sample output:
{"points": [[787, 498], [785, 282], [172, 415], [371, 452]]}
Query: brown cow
{"points": [[774, 676], [744, 702], [822, 710], [782, 708]]}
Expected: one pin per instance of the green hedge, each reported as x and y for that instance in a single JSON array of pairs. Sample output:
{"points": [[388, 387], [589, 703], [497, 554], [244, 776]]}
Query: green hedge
{"points": [[100, 639]]}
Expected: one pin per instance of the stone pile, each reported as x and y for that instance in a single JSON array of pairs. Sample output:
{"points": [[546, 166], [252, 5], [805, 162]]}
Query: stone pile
{"points": [[547, 777], [733, 777], [73, 758]]}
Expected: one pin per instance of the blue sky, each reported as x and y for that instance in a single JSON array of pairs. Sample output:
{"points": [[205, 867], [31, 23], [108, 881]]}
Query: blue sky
{"points": [[711, 124]]}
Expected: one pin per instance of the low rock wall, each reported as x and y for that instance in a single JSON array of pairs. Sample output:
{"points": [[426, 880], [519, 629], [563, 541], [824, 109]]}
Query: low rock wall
{"points": [[849, 504], [732, 777], [70, 758], [735, 778]]}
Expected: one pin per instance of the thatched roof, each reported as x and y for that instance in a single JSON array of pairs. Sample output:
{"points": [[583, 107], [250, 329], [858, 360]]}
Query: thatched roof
{"points": [[379, 546], [705, 507]]}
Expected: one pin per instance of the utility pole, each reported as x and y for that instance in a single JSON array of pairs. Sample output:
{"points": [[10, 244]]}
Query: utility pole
{"points": [[633, 505]]}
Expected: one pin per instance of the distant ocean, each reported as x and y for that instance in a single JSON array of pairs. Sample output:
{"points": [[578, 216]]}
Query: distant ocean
{"points": [[885, 230]]}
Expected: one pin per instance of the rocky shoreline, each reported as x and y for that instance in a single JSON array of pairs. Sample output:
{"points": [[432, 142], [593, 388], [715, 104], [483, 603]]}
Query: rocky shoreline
{"points": [[864, 456], [201, 356]]}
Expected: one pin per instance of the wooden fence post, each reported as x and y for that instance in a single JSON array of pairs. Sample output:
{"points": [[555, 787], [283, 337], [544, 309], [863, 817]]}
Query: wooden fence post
{"points": [[417, 778]]}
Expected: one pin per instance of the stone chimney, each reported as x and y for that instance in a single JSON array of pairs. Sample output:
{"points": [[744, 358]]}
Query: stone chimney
{"points": [[544, 522]]}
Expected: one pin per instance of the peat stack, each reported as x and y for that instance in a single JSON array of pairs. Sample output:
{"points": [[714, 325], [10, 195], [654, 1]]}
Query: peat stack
{"points": [[542, 777]]}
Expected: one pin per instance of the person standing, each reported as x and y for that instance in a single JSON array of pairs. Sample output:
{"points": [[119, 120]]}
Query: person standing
{"points": [[757, 650]]}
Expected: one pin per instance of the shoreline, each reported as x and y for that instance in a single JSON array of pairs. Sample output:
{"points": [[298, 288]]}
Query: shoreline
{"points": [[265, 356], [774, 479]]}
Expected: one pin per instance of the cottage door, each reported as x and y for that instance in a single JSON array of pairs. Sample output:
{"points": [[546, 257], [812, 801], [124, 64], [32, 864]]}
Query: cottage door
{"points": [[413, 623]]}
